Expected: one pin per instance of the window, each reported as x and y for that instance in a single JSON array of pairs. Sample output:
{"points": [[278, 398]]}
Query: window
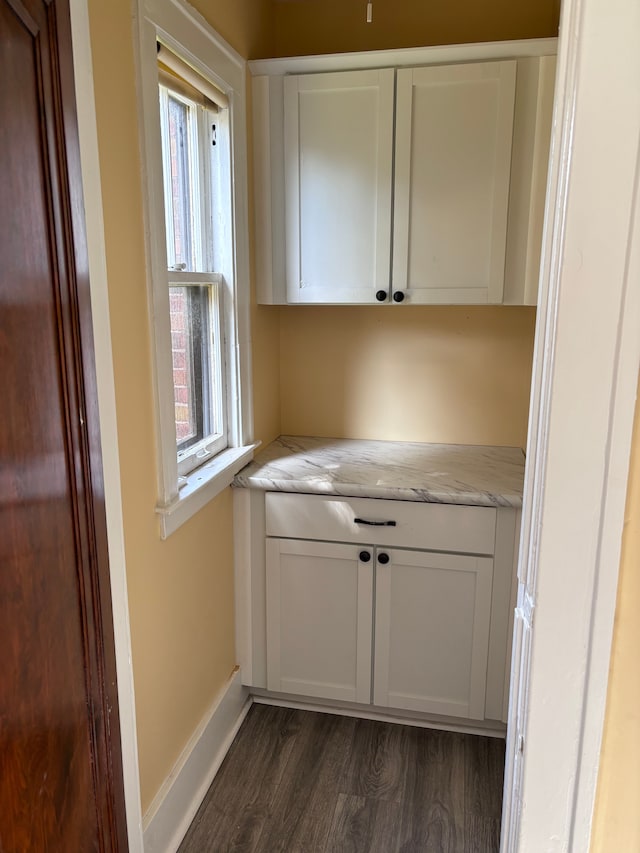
{"points": [[191, 188], [194, 137]]}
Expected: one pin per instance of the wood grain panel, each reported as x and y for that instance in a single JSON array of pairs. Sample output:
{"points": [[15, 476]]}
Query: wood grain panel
{"points": [[376, 762], [61, 780], [361, 823], [302, 810], [267, 741]]}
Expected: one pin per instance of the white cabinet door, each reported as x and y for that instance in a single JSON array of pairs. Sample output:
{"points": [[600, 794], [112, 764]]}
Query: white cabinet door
{"points": [[528, 189], [338, 145], [454, 127], [319, 619], [432, 632]]}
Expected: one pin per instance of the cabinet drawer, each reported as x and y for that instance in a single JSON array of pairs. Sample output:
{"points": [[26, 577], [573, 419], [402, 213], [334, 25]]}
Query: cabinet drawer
{"points": [[435, 527]]}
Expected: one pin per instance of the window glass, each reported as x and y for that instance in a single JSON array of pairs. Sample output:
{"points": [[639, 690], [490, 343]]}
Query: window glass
{"points": [[180, 243], [195, 305], [191, 355]]}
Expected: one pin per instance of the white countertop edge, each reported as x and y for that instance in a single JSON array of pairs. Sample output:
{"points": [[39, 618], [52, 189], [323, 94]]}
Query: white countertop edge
{"points": [[381, 492]]}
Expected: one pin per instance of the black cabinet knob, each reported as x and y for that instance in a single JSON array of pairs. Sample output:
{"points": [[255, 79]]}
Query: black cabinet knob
{"points": [[383, 558], [365, 556], [381, 295], [398, 296]]}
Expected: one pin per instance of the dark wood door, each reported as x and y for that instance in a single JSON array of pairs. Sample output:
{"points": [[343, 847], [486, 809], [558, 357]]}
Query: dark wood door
{"points": [[60, 760]]}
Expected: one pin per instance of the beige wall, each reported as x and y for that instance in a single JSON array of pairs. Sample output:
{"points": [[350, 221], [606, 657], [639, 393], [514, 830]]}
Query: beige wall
{"points": [[248, 25], [616, 824], [335, 26], [180, 590], [458, 375]]}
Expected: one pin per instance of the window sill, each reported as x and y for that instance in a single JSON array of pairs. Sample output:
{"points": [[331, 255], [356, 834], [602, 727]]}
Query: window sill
{"points": [[202, 485]]}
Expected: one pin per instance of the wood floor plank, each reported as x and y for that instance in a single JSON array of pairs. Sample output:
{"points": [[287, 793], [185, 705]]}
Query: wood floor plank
{"points": [[484, 763], [433, 798], [237, 805], [482, 834], [364, 825], [377, 761], [304, 802]]}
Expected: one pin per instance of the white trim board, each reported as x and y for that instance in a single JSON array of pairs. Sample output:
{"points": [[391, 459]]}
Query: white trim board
{"points": [[92, 193], [586, 361], [173, 808], [405, 57], [374, 712]]}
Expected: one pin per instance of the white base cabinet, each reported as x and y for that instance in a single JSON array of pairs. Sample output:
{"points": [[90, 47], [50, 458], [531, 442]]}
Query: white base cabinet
{"points": [[432, 632], [340, 610], [319, 620]]}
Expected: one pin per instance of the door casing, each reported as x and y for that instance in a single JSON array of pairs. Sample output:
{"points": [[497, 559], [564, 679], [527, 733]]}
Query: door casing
{"points": [[90, 168], [586, 361]]}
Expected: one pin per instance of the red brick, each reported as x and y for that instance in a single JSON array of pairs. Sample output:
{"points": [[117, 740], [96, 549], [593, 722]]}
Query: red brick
{"points": [[177, 321], [179, 360]]}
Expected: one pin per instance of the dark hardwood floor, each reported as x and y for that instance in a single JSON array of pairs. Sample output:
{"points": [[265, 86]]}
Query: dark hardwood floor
{"points": [[303, 782]]}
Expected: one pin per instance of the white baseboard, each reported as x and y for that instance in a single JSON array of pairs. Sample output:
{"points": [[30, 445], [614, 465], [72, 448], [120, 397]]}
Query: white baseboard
{"points": [[466, 727], [173, 808]]}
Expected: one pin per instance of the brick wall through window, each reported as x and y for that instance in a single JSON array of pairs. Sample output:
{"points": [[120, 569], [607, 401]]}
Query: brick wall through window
{"points": [[182, 384]]}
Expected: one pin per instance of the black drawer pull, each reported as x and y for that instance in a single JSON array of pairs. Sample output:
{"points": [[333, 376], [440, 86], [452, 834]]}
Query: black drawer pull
{"points": [[374, 523]]}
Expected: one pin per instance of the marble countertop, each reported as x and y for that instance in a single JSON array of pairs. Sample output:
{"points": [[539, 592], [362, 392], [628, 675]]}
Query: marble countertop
{"points": [[396, 470]]}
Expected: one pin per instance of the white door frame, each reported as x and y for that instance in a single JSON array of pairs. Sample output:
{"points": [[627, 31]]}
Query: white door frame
{"points": [[92, 192], [586, 361]]}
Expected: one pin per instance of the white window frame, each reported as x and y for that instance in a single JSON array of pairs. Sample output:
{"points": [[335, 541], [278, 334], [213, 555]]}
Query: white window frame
{"points": [[203, 261], [184, 32], [208, 207], [211, 444]]}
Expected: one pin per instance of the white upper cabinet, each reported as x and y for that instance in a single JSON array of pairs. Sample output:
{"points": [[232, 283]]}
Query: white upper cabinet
{"points": [[406, 184], [338, 144], [528, 188], [454, 126]]}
